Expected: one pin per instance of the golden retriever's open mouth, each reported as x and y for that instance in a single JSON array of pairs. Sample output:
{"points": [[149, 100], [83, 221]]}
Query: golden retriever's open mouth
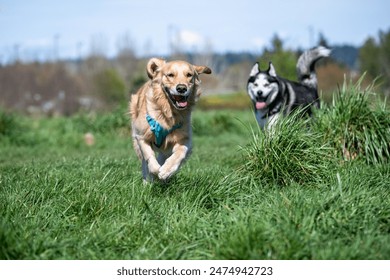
{"points": [[179, 101]]}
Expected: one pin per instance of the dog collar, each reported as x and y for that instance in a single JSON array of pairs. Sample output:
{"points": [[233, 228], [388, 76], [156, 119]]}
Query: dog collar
{"points": [[160, 133]]}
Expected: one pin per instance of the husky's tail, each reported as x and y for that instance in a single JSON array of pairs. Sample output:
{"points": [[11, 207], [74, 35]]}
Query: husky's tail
{"points": [[306, 65]]}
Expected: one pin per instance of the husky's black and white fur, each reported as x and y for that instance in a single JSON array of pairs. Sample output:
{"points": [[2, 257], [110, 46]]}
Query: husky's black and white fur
{"points": [[272, 95]]}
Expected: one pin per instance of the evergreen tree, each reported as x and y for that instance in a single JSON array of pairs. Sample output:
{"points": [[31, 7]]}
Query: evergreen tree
{"points": [[369, 59], [384, 57], [322, 41], [283, 60], [374, 58]]}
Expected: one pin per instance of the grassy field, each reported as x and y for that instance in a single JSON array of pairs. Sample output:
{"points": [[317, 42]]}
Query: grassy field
{"points": [[313, 190]]}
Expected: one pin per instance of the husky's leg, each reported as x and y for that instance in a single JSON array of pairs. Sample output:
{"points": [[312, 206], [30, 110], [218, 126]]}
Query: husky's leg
{"points": [[271, 123], [261, 120]]}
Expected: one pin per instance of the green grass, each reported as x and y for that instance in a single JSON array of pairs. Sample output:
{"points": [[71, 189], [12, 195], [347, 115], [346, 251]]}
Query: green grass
{"points": [[243, 194], [236, 100], [290, 152], [360, 131]]}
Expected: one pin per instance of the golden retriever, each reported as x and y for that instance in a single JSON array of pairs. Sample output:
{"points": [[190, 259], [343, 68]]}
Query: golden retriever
{"points": [[161, 116]]}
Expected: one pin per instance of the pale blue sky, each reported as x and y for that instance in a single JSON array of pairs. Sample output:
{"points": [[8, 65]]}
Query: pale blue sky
{"points": [[36, 28]]}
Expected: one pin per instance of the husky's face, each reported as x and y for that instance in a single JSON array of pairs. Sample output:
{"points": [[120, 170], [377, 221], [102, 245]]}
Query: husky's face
{"points": [[262, 86]]}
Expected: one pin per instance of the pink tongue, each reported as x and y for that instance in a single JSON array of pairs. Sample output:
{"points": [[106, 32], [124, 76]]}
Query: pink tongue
{"points": [[182, 103], [260, 105]]}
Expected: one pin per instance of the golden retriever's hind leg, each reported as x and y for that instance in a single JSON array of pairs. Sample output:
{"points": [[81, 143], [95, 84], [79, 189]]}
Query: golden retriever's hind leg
{"points": [[162, 158], [147, 176]]}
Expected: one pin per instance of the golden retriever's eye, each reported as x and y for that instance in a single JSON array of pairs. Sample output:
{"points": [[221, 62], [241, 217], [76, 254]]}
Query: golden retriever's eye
{"points": [[189, 75], [170, 75]]}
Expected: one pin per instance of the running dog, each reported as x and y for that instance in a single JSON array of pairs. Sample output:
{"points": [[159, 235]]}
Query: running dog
{"points": [[272, 95], [161, 116]]}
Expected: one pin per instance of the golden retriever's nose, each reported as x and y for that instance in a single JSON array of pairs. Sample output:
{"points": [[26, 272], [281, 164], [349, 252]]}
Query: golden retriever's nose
{"points": [[180, 88]]}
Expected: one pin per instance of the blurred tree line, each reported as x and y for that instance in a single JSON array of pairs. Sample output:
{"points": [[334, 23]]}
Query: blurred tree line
{"points": [[68, 86], [101, 83], [374, 58]]}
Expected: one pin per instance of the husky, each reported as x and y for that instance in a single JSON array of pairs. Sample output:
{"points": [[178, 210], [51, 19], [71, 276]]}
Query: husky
{"points": [[273, 96]]}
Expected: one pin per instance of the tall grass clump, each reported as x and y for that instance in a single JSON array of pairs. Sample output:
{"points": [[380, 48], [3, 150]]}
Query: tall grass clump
{"points": [[357, 125], [291, 152]]}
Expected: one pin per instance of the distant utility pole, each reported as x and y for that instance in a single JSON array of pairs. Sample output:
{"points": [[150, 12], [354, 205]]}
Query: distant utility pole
{"points": [[79, 45], [311, 36], [170, 40], [16, 52], [56, 40]]}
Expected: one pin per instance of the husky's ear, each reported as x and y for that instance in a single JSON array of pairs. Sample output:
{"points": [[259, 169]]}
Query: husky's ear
{"points": [[202, 69], [271, 70], [255, 70], [153, 66]]}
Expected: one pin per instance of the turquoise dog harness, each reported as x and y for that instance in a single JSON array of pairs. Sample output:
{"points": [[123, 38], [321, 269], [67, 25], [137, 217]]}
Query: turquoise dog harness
{"points": [[159, 132]]}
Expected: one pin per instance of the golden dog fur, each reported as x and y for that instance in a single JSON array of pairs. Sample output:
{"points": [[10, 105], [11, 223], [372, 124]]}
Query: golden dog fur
{"points": [[168, 97]]}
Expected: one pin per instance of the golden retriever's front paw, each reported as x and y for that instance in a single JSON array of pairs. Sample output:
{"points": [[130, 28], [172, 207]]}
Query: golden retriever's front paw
{"points": [[165, 173], [153, 167]]}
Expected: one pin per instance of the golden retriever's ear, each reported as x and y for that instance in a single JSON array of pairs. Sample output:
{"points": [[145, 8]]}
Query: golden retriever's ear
{"points": [[153, 65], [202, 69]]}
